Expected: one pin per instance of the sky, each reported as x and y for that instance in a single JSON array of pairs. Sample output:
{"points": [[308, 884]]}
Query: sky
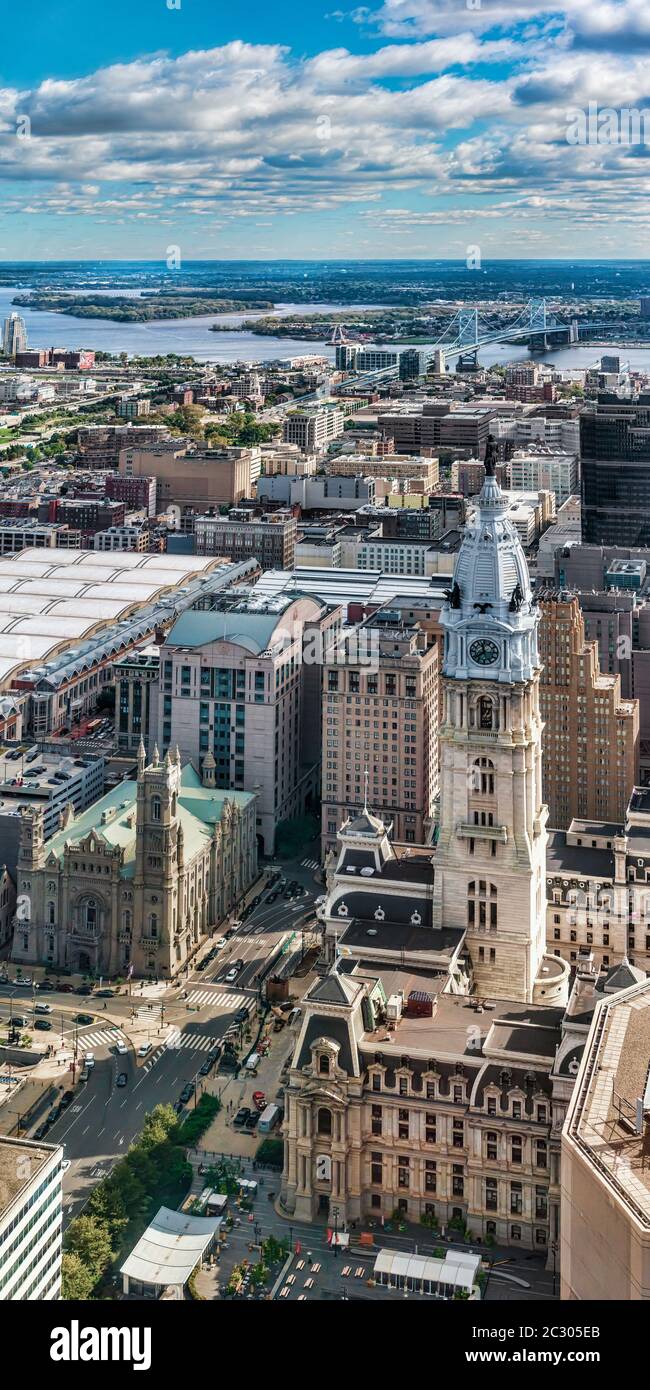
{"points": [[405, 129]]}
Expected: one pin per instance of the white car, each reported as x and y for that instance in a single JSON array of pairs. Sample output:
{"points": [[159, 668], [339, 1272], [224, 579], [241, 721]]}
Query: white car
{"points": [[144, 1049], [89, 1059], [43, 1009], [220, 943], [231, 977], [65, 1164], [121, 1048]]}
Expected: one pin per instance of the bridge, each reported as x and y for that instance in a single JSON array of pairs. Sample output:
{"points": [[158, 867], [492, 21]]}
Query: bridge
{"points": [[468, 331]]}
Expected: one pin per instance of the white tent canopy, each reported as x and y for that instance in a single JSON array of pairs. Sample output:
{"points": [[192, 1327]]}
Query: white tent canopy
{"points": [[458, 1270], [170, 1248]]}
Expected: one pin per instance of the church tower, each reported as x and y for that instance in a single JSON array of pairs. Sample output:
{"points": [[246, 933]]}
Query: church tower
{"points": [[490, 864]]}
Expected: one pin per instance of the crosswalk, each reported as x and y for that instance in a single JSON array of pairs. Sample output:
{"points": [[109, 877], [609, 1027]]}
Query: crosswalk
{"points": [[194, 1042], [220, 1000], [105, 1037], [310, 864]]}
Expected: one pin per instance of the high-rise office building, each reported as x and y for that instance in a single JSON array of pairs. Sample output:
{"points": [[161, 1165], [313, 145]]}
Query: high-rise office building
{"points": [[615, 447], [240, 686], [590, 753], [31, 1209], [380, 727], [14, 335]]}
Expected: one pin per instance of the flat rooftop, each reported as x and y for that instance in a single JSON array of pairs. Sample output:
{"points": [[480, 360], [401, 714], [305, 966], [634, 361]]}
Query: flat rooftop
{"points": [[22, 780], [13, 1153], [614, 1078]]}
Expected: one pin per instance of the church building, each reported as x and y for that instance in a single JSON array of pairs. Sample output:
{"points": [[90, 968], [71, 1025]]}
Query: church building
{"points": [[134, 884]]}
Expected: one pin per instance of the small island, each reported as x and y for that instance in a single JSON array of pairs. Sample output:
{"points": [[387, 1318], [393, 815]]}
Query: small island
{"points": [[166, 304]]}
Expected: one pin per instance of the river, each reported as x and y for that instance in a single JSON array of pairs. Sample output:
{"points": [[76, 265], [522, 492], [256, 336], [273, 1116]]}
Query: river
{"points": [[192, 337]]}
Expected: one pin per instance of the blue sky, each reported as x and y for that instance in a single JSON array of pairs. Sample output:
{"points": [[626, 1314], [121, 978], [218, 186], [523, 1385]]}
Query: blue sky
{"points": [[406, 128]]}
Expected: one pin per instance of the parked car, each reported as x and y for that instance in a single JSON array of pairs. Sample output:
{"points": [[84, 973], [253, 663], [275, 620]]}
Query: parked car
{"points": [[241, 1015], [66, 1099], [251, 1122], [259, 1099], [23, 982], [144, 1049], [64, 988], [83, 989], [46, 984], [209, 1063], [187, 1092], [122, 1079], [53, 1116], [43, 1024], [202, 963], [241, 1117], [89, 1059], [84, 1073], [84, 1018], [42, 1008], [18, 1021], [220, 943], [104, 993], [41, 1131]]}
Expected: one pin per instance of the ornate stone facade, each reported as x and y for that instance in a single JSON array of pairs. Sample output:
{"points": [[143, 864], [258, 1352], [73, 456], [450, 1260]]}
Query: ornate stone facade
{"points": [[135, 883]]}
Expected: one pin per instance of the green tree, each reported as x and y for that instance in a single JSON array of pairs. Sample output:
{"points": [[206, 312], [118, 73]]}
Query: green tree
{"points": [[77, 1278], [90, 1240]]}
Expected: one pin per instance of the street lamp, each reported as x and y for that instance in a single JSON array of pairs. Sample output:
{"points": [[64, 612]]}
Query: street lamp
{"points": [[554, 1250]]}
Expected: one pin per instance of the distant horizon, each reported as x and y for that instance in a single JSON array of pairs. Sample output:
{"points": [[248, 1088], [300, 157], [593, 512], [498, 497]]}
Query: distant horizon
{"points": [[327, 260]]}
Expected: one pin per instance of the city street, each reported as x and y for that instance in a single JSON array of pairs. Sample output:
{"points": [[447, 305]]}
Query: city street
{"points": [[182, 1023]]}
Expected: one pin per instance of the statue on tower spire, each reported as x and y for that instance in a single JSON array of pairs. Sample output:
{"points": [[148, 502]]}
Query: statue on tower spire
{"points": [[491, 454]]}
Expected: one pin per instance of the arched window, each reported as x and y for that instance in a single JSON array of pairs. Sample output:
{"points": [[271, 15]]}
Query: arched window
{"points": [[90, 914], [485, 712], [155, 808], [51, 914], [483, 777], [482, 905], [324, 1121], [324, 1064]]}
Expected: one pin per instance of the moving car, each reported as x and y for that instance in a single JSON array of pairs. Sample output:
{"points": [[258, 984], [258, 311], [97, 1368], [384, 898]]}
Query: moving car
{"points": [[122, 1079], [43, 1024], [18, 1021], [42, 1008], [104, 993], [84, 1018], [46, 984], [89, 1059], [144, 1049], [65, 1164], [121, 1048], [230, 978]]}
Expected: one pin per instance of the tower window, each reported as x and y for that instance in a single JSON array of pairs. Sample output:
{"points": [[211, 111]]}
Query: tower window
{"points": [[485, 712]]}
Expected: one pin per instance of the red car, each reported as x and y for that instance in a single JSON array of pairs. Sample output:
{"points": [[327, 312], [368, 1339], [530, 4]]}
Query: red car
{"points": [[259, 1099]]}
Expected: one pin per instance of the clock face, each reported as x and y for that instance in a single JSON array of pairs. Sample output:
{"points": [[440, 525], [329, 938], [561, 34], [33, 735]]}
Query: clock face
{"points": [[484, 652]]}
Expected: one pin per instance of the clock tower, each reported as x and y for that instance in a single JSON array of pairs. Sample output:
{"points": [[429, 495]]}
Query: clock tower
{"points": [[490, 865]]}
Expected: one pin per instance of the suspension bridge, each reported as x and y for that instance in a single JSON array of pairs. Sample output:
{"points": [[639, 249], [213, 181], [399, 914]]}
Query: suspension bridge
{"points": [[469, 331]]}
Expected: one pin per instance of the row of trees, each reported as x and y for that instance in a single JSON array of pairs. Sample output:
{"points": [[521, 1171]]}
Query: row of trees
{"points": [[153, 1173]]}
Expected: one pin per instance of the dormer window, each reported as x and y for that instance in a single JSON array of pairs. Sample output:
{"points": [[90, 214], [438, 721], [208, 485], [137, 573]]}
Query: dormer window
{"points": [[324, 1064]]}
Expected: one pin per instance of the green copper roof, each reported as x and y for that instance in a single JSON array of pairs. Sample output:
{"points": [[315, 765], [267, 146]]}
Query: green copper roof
{"points": [[253, 631], [199, 810]]}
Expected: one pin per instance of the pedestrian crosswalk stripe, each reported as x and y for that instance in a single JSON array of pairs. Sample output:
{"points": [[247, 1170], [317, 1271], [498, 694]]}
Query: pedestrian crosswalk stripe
{"points": [[222, 999], [310, 864], [195, 1042], [98, 1039]]}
